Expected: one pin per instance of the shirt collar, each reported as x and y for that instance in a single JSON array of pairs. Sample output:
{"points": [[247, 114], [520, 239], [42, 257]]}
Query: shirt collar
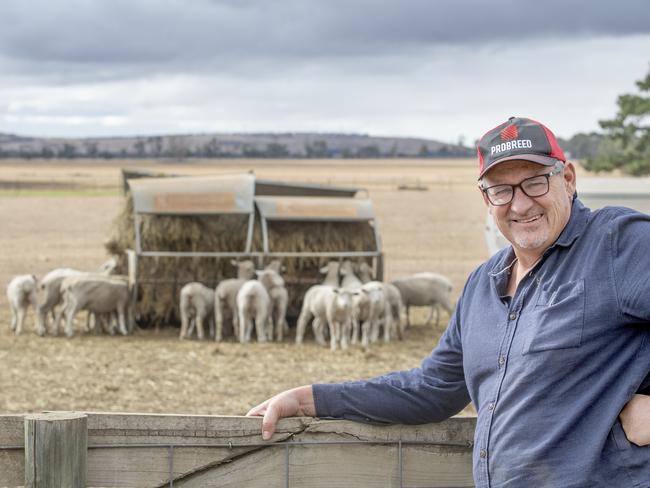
{"points": [[572, 230]]}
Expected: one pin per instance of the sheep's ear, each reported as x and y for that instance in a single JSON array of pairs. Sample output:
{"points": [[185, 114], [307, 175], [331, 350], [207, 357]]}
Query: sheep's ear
{"points": [[283, 269], [258, 273], [324, 269], [233, 262], [337, 290], [35, 279]]}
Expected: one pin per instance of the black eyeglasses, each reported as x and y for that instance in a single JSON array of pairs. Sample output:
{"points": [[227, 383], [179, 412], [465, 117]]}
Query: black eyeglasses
{"points": [[535, 186]]}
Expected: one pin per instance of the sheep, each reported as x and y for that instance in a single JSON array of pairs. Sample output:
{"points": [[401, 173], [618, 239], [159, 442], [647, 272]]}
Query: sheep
{"points": [[98, 294], [50, 290], [21, 292], [331, 272], [370, 307], [225, 296], [279, 302], [330, 305], [196, 305], [349, 280], [393, 298], [425, 289], [254, 303]]}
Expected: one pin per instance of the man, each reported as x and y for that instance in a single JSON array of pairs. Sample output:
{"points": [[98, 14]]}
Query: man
{"points": [[549, 339]]}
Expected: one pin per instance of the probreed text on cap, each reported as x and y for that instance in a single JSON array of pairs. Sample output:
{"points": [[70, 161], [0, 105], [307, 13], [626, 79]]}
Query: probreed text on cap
{"points": [[506, 146]]}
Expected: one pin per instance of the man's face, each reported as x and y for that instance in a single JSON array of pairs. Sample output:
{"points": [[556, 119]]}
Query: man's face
{"points": [[532, 224]]}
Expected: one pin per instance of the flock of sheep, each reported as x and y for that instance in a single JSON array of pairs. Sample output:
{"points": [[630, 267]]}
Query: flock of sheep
{"points": [[348, 307], [64, 292]]}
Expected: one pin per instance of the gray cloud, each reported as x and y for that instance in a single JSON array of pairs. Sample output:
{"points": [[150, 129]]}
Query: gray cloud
{"points": [[122, 37]]}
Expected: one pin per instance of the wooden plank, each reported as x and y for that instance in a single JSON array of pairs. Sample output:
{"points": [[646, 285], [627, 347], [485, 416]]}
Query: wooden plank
{"points": [[355, 465], [55, 450], [138, 466], [12, 461]]}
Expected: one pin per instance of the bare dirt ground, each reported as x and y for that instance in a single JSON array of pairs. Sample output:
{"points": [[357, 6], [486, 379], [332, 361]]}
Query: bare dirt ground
{"points": [[55, 214]]}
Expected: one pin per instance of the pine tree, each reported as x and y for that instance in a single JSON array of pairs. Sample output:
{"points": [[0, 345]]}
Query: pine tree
{"points": [[626, 145]]}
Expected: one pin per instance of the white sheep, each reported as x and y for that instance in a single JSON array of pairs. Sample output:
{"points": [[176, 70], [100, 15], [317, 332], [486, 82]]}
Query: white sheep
{"points": [[393, 298], [98, 294], [327, 305], [21, 292], [279, 302], [425, 289], [331, 272], [253, 304], [196, 305], [50, 291], [225, 296], [370, 308], [349, 279]]}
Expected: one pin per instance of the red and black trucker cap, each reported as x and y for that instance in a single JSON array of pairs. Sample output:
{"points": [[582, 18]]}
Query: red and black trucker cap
{"points": [[518, 138]]}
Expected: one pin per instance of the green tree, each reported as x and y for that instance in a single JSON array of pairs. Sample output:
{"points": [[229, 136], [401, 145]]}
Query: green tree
{"points": [[626, 145]]}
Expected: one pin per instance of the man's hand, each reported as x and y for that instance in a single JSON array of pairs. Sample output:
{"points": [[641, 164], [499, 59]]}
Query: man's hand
{"points": [[635, 419], [298, 402]]}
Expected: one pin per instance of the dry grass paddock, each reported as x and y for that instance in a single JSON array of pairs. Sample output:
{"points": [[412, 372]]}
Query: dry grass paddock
{"points": [[56, 214]]}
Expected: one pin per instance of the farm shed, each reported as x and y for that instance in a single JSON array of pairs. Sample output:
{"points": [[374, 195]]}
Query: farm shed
{"points": [[594, 193], [129, 450], [187, 228]]}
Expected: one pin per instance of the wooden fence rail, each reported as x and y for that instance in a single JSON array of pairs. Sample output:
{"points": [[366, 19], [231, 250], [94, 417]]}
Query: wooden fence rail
{"points": [[147, 450]]}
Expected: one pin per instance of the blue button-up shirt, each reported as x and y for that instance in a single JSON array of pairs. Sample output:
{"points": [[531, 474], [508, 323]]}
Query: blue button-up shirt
{"points": [[548, 370]]}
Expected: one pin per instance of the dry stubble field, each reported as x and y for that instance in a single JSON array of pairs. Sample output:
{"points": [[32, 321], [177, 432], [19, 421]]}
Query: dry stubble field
{"points": [[55, 214]]}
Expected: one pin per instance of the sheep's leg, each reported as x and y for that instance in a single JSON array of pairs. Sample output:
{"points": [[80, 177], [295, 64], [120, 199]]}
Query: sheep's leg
{"points": [[235, 324], [374, 329], [437, 315], [56, 326], [260, 325], [335, 332], [244, 326], [121, 319], [70, 312], [303, 319], [365, 333], [41, 321], [14, 318], [319, 331], [355, 330], [345, 334], [90, 326], [408, 316], [198, 320], [20, 319], [397, 321]]}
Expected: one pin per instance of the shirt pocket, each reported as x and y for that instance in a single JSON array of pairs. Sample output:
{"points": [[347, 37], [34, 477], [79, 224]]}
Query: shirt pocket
{"points": [[557, 319]]}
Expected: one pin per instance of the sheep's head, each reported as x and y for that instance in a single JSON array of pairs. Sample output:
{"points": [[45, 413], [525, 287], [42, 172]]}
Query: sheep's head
{"points": [[245, 269]]}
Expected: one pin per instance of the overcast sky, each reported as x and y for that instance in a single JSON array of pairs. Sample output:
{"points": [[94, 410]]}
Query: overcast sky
{"points": [[425, 68]]}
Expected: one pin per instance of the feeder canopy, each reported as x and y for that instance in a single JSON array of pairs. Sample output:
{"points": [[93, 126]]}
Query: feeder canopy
{"points": [[315, 209], [194, 195]]}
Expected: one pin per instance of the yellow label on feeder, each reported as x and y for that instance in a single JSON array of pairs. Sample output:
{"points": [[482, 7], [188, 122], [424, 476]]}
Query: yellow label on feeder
{"points": [[208, 202], [317, 208]]}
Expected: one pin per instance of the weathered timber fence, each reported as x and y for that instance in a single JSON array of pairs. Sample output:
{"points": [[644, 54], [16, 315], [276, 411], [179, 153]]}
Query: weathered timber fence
{"points": [[147, 450]]}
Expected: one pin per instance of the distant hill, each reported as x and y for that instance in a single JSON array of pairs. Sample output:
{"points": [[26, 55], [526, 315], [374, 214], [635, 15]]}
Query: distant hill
{"points": [[285, 145]]}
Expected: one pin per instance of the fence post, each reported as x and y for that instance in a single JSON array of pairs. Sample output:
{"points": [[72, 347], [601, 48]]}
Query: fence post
{"points": [[55, 450]]}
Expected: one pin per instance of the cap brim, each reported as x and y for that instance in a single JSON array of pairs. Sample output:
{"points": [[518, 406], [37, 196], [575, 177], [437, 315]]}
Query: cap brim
{"points": [[533, 158]]}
